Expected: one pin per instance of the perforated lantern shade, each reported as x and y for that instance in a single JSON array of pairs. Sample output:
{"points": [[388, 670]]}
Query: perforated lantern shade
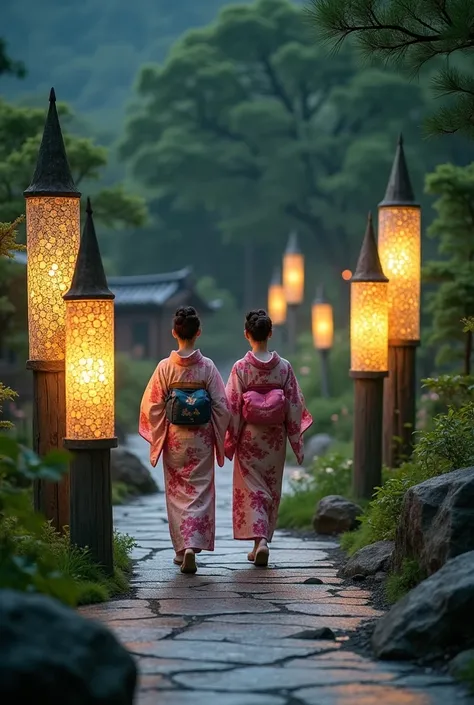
{"points": [[277, 304], [369, 326], [90, 408], [323, 325], [293, 277]]}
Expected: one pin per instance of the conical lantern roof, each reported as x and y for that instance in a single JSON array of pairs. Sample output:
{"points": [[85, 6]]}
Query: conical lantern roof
{"points": [[368, 267], [321, 295], [89, 280], [276, 279], [52, 175], [399, 189], [292, 247]]}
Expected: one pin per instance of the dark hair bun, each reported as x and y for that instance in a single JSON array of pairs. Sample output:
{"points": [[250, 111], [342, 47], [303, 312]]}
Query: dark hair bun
{"points": [[258, 325], [186, 322]]}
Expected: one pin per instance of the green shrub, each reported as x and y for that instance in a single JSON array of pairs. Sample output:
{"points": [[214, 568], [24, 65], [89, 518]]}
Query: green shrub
{"points": [[330, 474], [131, 378], [399, 584], [33, 557]]}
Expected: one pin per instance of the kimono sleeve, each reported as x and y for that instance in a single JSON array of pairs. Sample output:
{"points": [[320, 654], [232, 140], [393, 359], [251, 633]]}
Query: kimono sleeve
{"points": [[220, 412], [153, 425], [234, 391], [298, 418]]}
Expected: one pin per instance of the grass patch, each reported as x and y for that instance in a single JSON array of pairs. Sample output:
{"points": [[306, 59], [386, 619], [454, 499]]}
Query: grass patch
{"points": [[465, 674], [297, 509], [399, 584], [120, 493]]}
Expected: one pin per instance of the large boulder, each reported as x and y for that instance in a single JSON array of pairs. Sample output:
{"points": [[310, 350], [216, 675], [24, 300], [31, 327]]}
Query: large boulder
{"points": [[437, 521], [336, 514], [127, 468], [433, 618], [52, 656], [316, 446], [369, 560]]}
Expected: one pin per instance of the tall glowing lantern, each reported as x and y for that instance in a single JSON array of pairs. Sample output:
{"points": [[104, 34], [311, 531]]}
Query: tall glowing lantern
{"points": [[52, 238], [400, 254], [293, 284], [369, 362], [90, 424], [323, 334], [277, 300]]}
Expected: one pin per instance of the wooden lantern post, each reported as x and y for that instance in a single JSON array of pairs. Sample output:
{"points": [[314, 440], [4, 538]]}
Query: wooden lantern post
{"points": [[400, 255], [369, 361], [293, 284], [277, 306], [90, 417], [52, 239], [322, 319]]}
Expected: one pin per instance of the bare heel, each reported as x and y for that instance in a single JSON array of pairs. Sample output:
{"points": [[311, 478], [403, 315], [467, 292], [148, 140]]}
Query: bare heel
{"points": [[262, 556], [189, 562]]}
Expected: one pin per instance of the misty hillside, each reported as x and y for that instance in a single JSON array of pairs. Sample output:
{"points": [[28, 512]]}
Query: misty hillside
{"points": [[92, 51]]}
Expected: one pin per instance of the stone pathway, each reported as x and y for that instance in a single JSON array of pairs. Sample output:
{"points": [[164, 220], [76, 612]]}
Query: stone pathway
{"points": [[237, 635]]}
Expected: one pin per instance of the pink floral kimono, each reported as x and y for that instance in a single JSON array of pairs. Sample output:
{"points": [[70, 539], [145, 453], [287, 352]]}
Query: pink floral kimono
{"points": [[188, 452], [260, 450]]}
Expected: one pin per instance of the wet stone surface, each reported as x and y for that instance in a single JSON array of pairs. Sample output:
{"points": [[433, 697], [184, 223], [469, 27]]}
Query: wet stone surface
{"points": [[230, 634]]}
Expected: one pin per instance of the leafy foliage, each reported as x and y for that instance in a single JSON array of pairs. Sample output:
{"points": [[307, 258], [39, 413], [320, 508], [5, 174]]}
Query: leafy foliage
{"points": [[33, 557], [131, 378], [409, 36], [453, 273], [399, 584]]}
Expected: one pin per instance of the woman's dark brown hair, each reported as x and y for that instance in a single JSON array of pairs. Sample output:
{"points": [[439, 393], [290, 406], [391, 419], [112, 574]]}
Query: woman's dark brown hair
{"points": [[258, 325], [186, 323]]}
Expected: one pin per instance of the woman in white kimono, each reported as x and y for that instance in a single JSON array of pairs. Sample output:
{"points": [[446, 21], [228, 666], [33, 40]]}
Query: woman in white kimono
{"points": [[188, 450]]}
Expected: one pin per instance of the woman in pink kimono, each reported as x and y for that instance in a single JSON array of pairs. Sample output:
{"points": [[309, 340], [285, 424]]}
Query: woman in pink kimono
{"points": [[184, 385], [267, 409]]}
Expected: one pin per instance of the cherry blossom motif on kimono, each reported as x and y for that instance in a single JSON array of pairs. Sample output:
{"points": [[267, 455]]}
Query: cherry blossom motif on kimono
{"points": [[188, 452], [259, 452]]}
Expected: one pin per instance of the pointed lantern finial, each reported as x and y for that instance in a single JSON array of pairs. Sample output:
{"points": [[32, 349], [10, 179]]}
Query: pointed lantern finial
{"points": [[399, 189], [320, 295], [89, 280], [276, 279], [292, 247], [368, 267], [52, 175]]}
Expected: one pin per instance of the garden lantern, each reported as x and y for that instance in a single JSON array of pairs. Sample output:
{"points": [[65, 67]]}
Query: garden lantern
{"points": [[90, 398], [293, 284], [369, 361], [400, 254], [323, 335], [52, 238], [277, 300]]}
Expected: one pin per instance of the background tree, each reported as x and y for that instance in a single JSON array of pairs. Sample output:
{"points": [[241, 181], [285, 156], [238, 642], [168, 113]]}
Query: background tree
{"points": [[453, 274], [410, 35], [248, 130]]}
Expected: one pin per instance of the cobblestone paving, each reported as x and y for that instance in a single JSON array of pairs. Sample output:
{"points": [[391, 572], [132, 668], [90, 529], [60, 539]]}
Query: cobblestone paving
{"points": [[237, 635]]}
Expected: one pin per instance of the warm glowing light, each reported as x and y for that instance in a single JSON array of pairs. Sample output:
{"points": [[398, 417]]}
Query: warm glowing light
{"points": [[400, 255], [90, 369], [293, 277], [346, 275], [53, 234], [323, 326], [277, 304], [369, 326]]}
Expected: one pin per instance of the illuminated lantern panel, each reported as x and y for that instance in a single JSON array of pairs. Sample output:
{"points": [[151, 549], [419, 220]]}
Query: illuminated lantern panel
{"points": [[400, 256], [323, 326], [53, 234], [277, 304], [90, 369], [369, 326], [293, 277]]}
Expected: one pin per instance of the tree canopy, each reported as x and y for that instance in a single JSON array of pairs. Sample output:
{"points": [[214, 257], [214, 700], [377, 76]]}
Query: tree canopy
{"points": [[248, 130], [411, 35]]}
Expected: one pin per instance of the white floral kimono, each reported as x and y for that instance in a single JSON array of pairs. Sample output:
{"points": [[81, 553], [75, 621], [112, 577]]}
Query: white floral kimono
{"points": [[188, 452]]}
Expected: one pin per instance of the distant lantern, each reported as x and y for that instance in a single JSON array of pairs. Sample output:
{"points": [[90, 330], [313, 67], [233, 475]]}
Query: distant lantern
{"points": [[322, 322], [369, 309], [277, 300], [52, 239], [400, 251], [293, 272], [89, 345], [346, 275]]}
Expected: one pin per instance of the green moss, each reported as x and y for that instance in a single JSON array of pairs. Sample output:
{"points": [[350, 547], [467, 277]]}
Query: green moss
{"points": [[466, 675], [120, 493], [400, 583]]}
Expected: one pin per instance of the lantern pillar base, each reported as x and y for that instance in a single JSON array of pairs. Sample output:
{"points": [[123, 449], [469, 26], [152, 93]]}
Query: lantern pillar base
{"points": [[91, 498], [49, 429], [399, 412], [368, 410], [325, 373]]}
